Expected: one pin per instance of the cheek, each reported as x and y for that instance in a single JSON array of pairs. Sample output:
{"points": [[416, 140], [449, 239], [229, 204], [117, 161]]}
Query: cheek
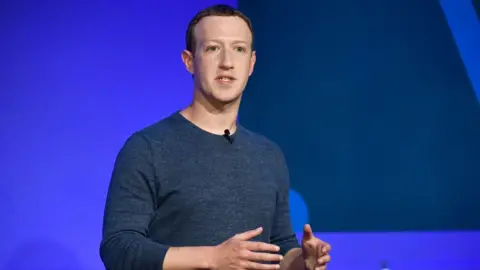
{"points": [[208, 65], [202, 69]]}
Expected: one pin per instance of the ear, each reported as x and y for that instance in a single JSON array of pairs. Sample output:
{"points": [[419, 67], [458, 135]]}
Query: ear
{"points": [[253, 59], [187, 58]]}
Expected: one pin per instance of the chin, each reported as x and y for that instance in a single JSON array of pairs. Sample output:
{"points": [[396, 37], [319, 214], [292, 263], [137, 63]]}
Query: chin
{"points": [[226, 98]]}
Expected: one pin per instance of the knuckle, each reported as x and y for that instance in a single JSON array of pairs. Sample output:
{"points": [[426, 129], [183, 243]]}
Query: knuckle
{"points": [[266, 257], [270, 246], [236, 249], [251, 265], [244, 253], [258, 256], [243, 264], [265, 246]]}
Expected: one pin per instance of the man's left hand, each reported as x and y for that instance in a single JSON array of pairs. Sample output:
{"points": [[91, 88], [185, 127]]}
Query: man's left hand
{"points": [[315, 251]]}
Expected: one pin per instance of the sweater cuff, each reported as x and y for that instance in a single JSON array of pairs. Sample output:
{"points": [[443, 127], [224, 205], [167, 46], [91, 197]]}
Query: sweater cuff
{"points": [[153, 256]]}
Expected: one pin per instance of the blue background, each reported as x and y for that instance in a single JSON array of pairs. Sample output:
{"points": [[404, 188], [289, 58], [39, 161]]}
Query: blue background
{"points": [[374, 108], [77, 78]]}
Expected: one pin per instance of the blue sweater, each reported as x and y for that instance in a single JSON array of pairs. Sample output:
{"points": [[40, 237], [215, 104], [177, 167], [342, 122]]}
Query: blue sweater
{"points": [[174, 185]]}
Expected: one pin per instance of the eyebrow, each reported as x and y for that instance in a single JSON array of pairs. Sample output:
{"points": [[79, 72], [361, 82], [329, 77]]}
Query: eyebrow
{"points": [[234, 42]]}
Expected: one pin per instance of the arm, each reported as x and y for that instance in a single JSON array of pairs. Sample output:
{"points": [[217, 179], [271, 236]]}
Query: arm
{"points": [[282, 233], [130, 205]]}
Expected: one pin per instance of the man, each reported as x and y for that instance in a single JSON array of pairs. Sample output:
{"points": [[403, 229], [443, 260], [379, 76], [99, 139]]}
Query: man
{"points": [[196, 190]]}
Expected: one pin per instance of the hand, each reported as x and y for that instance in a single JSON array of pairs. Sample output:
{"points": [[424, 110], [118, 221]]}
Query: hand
{"points": [[239, 253], [315, 251]]}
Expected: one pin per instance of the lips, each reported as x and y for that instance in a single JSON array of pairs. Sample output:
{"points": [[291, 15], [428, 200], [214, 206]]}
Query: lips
{"points": [[225, 79]]}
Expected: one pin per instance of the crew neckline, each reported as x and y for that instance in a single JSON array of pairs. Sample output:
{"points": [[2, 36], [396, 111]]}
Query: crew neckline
{"points": [[192, 125]]}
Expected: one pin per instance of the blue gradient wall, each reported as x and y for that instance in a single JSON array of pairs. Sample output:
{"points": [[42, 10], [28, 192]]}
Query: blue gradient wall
{"points": [[375, 109], [77, 78]]}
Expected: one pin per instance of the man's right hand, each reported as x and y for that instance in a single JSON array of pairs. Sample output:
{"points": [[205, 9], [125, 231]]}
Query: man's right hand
{"points": [[240, 253]]}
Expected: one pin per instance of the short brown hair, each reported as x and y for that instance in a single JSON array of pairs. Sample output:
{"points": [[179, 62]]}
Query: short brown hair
{"points": [[216, 10]]}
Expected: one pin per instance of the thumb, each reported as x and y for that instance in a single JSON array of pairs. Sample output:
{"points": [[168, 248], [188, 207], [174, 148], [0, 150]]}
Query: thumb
{"points": [[248, 234], [307, 232]]}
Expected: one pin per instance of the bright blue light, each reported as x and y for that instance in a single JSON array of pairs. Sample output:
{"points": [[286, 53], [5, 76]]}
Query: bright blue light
{"points": [[465, 27], [298, 211]]}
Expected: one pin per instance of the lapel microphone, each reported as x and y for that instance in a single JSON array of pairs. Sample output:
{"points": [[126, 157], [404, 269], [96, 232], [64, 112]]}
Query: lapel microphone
{"points": [[227, 136]]}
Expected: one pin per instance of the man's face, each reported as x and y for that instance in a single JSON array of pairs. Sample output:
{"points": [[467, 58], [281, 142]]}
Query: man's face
{"points": [[223, 58]]}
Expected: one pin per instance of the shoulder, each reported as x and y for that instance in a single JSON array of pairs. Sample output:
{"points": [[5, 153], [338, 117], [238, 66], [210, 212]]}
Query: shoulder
{"points": [[153, 135], [168, 126], [266, 146]]}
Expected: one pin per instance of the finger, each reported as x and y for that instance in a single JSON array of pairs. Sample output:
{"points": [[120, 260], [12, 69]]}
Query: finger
{"points": [[321, 268], [326, 248], [259, 266], [324, 260], [248, 234], [260, 246], [263, 257], [322, 248], [307, 232]]}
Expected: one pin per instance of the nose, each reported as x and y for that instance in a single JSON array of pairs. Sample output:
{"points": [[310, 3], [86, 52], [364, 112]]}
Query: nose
{"points": [[226, 62]]}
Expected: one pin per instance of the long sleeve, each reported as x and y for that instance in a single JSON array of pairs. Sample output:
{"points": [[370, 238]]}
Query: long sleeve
{"points": [[282, 233], [129, 208]]}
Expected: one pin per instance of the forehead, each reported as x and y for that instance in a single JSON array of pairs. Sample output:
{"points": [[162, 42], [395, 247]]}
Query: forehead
{"points": [[222, 28]]}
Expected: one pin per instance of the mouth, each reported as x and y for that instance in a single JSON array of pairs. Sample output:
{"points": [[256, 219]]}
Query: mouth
{"points": [[225, 79]]}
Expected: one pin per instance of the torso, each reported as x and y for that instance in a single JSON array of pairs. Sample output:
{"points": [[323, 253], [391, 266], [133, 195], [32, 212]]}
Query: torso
{"points": [[209, 189]]}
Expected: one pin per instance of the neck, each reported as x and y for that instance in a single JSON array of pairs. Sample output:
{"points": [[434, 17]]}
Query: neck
{"points": [[213, 118]]}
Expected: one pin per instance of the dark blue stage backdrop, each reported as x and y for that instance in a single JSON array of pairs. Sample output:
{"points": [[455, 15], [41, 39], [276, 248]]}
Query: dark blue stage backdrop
{"points": [[77, 78]]}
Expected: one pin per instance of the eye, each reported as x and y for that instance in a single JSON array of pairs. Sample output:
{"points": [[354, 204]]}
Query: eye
{"points": [[241, 49], [212, 48]]}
